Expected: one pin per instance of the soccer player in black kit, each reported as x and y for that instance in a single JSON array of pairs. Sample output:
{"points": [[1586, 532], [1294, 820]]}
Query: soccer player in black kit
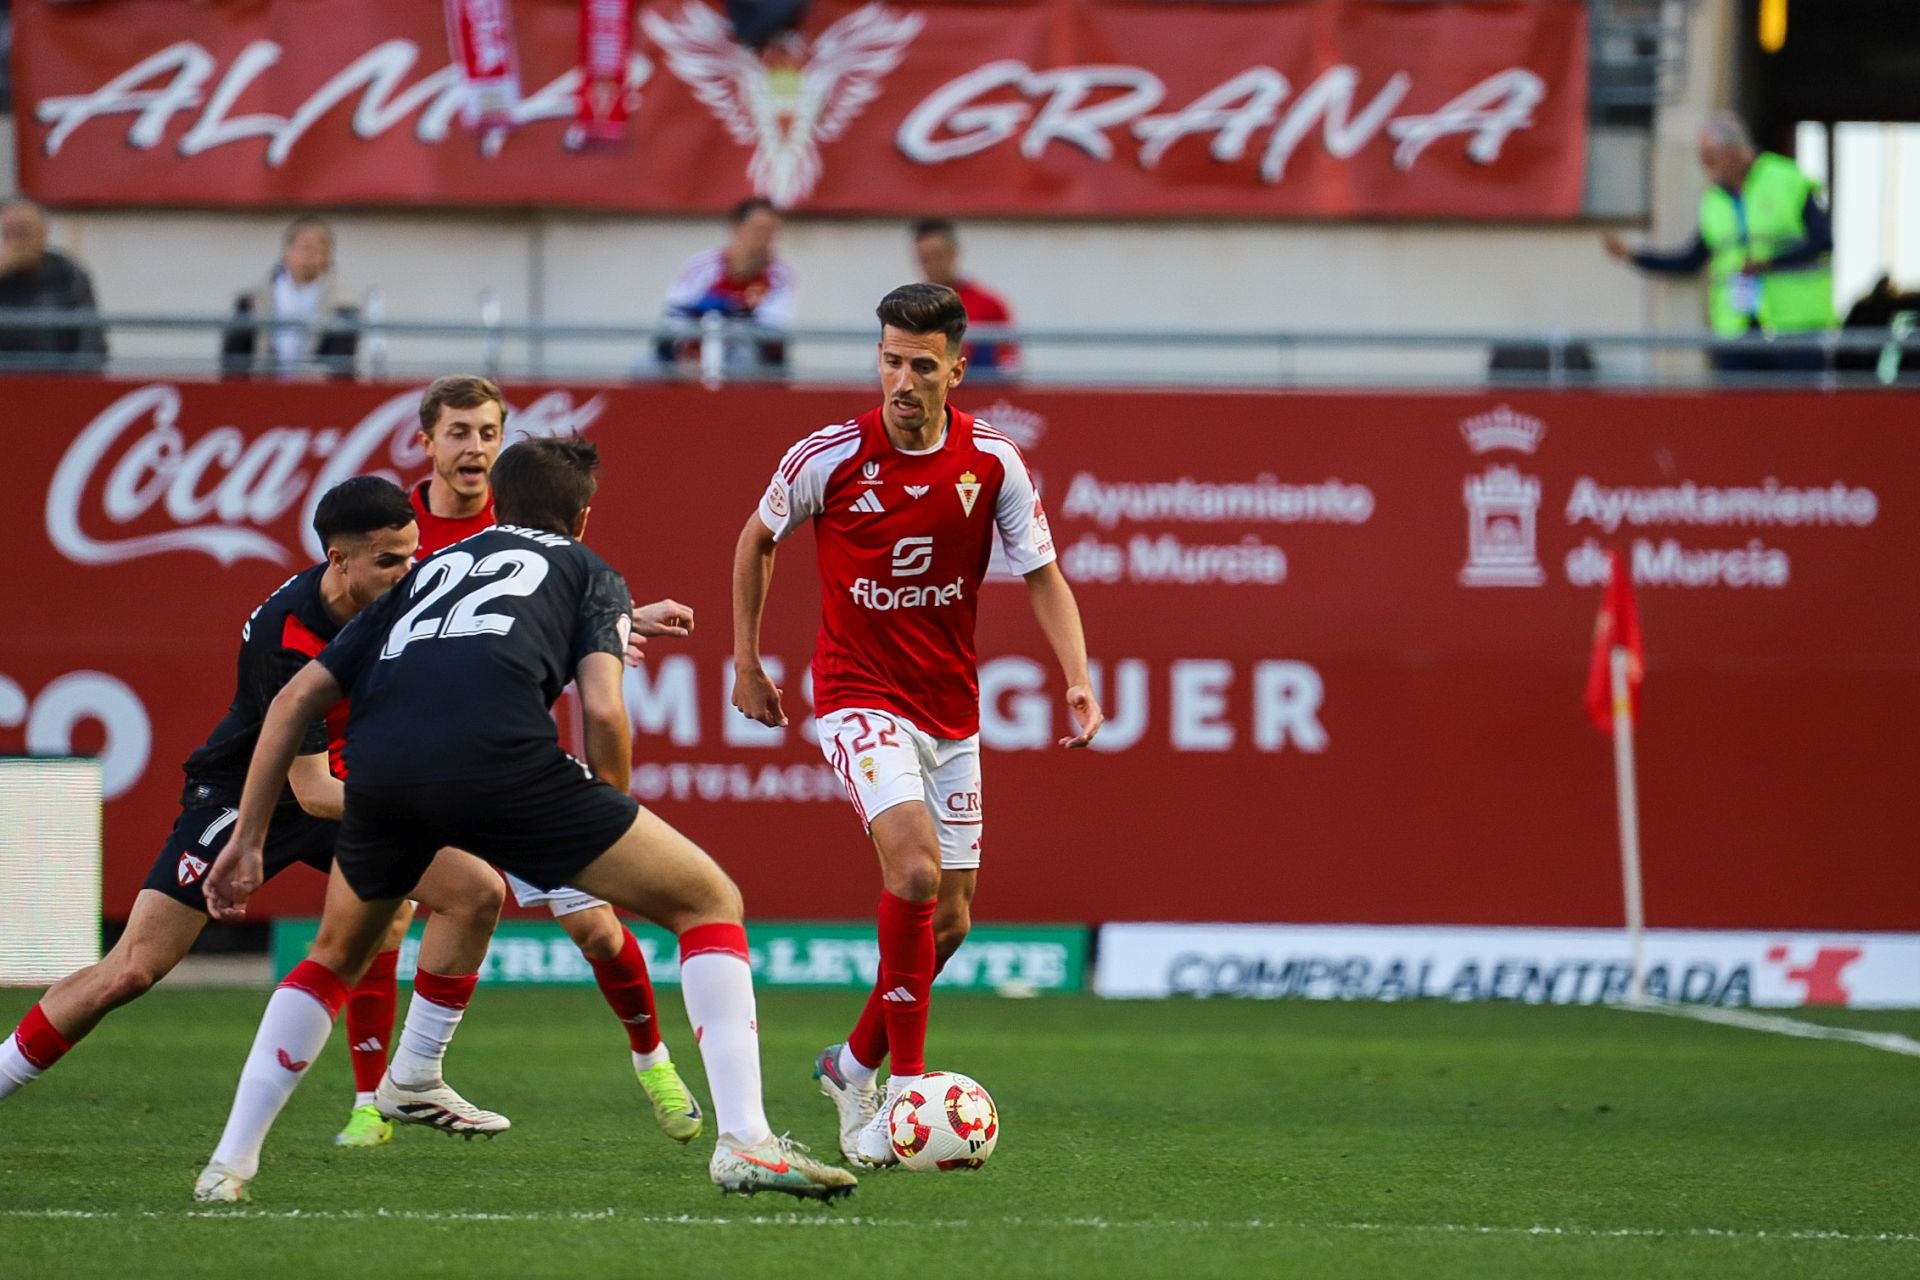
{"points": [[451, 742], [368, 531]]}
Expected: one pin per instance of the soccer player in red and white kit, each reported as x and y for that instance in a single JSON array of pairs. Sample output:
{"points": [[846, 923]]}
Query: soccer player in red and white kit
{"points": [[462, 426], [904, 501]]}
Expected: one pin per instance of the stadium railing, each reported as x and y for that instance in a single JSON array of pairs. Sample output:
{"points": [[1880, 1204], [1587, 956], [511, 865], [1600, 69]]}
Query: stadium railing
{"points": [[145, 344]]}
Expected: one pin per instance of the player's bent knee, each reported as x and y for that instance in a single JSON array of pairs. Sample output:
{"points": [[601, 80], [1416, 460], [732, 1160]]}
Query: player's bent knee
{"points": [[915, 879], [599, 934]]}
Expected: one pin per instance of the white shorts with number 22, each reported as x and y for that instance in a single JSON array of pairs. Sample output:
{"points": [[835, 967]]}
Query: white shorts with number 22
{"points": [[885, 759]]}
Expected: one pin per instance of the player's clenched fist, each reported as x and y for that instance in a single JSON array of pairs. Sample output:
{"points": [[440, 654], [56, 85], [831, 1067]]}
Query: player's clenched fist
{"points": [[756, 697], [1086, 710], [236, 873]]}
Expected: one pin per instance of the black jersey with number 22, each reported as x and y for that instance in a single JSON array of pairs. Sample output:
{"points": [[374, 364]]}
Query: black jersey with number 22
{"points": [[453, 673]]}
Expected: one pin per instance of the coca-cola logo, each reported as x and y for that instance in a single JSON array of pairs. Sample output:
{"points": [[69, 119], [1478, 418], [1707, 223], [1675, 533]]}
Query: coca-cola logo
{"points": [[226, 491]]}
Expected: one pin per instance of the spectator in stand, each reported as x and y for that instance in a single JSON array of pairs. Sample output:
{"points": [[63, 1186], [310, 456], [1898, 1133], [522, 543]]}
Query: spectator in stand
{"points": [[1884, 307], [936, 242], [1766, 242], [301, 287], [740, 281], [36, 278]]}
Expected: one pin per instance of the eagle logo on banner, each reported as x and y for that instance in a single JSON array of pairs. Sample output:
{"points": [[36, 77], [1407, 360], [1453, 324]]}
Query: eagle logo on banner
{"points": [[787, 101]]}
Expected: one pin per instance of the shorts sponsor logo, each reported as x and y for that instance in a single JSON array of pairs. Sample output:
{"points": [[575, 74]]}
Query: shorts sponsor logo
{"points": [[912, 557], [190, 869], [963, 802]]}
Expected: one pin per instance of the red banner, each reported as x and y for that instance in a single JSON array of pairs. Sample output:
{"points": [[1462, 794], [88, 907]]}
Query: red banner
{"points": [[1052, 108], [1341, 639]]}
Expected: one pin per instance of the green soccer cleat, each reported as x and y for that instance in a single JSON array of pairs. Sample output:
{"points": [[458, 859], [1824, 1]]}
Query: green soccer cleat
{"points": [[366, 1127], [778, 1164], [674, 1108]]}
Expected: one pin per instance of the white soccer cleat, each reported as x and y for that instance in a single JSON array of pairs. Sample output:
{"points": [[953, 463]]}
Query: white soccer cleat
{"points": [[437, 1107], [856, 1106], [778, 1164], [873, 1145], [218, 1184]]}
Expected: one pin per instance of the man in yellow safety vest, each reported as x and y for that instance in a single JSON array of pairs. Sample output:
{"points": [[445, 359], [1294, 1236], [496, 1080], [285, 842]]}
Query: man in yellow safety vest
{"points": [[1766, 242]]}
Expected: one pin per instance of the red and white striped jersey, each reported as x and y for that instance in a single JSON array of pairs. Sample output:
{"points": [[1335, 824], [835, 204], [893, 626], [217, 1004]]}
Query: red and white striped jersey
{"points": [[903, 541]]}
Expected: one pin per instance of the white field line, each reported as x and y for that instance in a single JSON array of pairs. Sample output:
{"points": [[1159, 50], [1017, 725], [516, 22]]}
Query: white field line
{"points": [[1779, 1025], [826, 1219]]}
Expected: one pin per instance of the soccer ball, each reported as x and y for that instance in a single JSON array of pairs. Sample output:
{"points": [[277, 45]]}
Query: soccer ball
{"points": [[947, 1121]]}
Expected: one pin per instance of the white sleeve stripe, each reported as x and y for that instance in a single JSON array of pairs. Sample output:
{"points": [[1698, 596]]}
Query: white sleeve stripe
{"points": [[797, 456], [1000, 447]]}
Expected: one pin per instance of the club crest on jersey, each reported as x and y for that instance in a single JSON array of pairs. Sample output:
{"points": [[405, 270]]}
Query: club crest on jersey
{"points": [[868, 772], [916, 490], [870, 472], [969, 488], [190, 869]]}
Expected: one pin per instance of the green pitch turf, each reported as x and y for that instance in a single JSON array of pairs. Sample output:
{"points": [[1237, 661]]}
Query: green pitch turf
{"points": [[1180, 1139]]}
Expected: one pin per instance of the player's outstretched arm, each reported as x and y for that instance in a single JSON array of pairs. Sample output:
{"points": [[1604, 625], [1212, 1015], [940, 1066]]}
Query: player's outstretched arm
{"points": [[1059, 617], [238, 871], [753, 691], [314, 786], [603, 719]]}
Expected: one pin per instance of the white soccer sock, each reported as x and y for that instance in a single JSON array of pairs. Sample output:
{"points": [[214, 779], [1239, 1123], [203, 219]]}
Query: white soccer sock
{"points": [[292, 1032], [651, 1058], [858, 1073], [718, 991], [15, 1070], [421, 1055], [363, 1100]]}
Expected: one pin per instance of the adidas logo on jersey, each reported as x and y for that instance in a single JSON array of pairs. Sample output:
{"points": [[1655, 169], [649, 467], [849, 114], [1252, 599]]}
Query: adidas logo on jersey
{"points": [[869, 502]]}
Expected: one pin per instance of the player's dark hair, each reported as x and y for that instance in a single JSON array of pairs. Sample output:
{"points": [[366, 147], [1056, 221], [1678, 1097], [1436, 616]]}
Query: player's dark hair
{"points": [[925, 308], [545, 483], [924, 227], [750, 206], [360, 505], [458, 391]]}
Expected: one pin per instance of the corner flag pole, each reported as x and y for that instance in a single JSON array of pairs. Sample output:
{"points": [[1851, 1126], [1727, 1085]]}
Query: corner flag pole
{"points": [[1629, 801]]}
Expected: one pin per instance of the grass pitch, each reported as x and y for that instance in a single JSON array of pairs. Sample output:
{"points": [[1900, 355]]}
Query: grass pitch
{"points": [[1170, 1139]]}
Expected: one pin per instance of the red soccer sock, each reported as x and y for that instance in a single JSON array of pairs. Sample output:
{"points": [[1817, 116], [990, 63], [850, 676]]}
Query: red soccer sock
{"points": [[40, 1044], [629, 993], [370, 1011], [906, 980], [320, 982], [868, 1039]]}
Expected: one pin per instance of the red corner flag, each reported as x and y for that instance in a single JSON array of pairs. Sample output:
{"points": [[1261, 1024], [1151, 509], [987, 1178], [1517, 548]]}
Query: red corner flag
{"points": [[1617, 625]]}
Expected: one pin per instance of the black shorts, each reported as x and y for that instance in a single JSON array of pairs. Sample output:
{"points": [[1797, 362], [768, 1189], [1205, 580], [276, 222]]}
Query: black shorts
{"points": [[200, 833], [543, 826]]}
